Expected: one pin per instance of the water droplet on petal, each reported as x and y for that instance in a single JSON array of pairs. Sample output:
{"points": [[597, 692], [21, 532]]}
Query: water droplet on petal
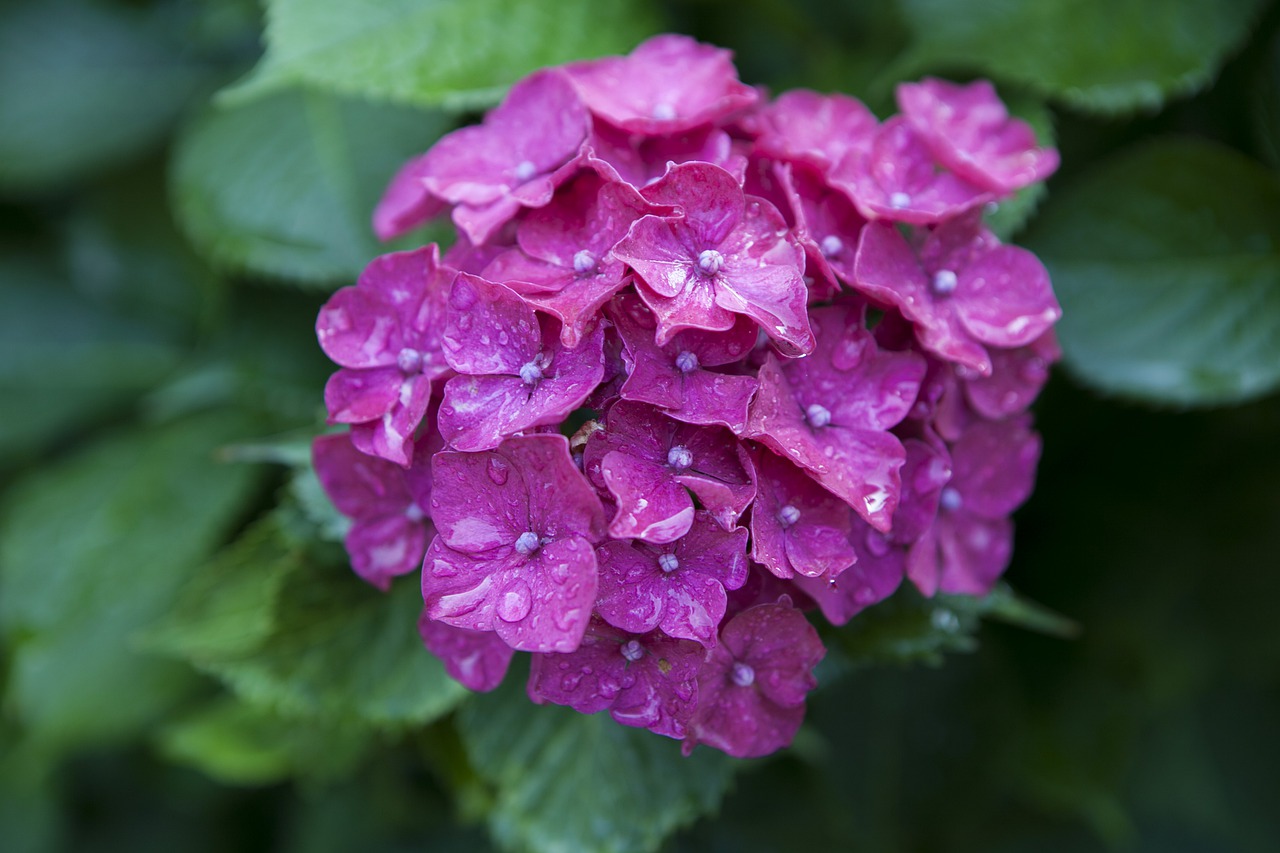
{"points": [[515, 603], [498, 470]]}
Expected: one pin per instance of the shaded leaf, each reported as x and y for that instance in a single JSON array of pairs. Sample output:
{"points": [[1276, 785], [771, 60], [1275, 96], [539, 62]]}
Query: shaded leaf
{"points": [[286, 186], [1166, 259], [567, 781], [92, 549], [84, 85], [240, 744], [1102, 56], [454, 53]]}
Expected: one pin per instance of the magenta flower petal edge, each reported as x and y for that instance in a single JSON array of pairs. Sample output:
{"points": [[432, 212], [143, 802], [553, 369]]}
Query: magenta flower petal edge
{"points": [[700, 366]]}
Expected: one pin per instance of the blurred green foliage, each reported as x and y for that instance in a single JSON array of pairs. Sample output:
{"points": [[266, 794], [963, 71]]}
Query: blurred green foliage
{"points": [[186, 662]]}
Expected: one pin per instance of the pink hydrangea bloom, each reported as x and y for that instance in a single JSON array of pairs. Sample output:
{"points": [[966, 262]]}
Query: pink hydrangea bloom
{"points": [[961, 288], [645, 680], [679, 587], [830, 413], [515, 550], [668, 84], [723, 254], [968, 130], [384, 333], [389, 507], [817, 130], [752, 688]]}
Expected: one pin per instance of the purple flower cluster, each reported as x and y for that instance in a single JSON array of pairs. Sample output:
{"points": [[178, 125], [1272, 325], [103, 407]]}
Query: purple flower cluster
{"points": [[697, 362]]}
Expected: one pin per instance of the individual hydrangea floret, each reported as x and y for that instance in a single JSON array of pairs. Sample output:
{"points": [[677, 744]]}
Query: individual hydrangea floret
{"points": [[478, 660], [513, 371], [831, 413], [516, 158], [389, 507], [752, 687], [802, 126], [515, 551], [384, 333], [677, 377], [644, 680], [564, 262], [649, 463], [723, 254], [961, 288], [896, 178], [679, 587], [969, 546], [968, 130], [798, 527], [668, 84]]}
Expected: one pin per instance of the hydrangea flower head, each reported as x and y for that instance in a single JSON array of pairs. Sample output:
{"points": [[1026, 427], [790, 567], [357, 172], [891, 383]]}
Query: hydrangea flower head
{"points": [[699, 367]]}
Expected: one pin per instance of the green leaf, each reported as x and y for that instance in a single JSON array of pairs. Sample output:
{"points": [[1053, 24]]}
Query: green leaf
{"points": [[285, 187], [1011, 215], [63, 359], [82, 86], [239, 744], [92, 549], [1103, 56], [567, 781], [457, 54], [228, 606], [337, 649], [1166, 259], [1266, 105]]}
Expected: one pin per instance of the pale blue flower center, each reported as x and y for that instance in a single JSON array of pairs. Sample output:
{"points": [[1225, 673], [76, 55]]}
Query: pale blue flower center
{"points": [[409, 360], [632, 650], [679, 457], [950, 499], [944, 282], [525, 170], [531, 373], [664, 112], [743, 675], [831, 246], [899, 200], [668, 562], [710, 261], [788, 516], [687, 362], [527, 543], [818, 415], [583, 262]]}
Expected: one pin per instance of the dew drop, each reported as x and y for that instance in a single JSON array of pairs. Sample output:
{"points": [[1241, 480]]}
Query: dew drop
{"points": [[498, 469], [515, 603]]}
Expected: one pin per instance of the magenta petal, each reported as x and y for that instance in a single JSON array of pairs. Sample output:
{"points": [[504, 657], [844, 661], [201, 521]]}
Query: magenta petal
{"points": [[994, 466], [478, 660], [1017, 375], [806, 127], [968, 129], [876, 575], [1003, 298], [667, 84], [651, 505], [543, 604], [489, 328], [354, 396], [751, 689], [798, 527], [974, 552], [384, 548], [359, 485], [406, 204]]}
